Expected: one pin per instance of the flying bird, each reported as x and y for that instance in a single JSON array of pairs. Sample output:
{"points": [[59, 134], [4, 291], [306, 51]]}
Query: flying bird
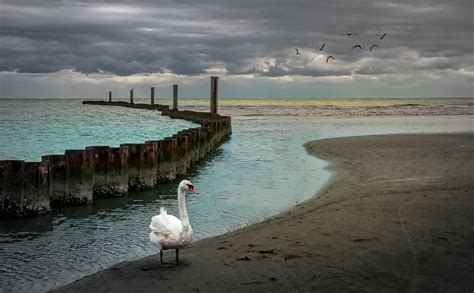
{"points": [[351, 34], [320, 49], [297, 52], [373, 46], [329, 57], [356, 46], [382, 36]]}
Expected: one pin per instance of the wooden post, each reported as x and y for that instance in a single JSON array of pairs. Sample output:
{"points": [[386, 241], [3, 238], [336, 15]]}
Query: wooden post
{"points": [[175, 97], [131, 96], [152, 96], [214, 94], [110, 96]]}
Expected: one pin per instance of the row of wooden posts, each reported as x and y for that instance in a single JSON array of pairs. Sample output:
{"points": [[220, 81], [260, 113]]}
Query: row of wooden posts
{"points": [[214, 95], [79, 176]]}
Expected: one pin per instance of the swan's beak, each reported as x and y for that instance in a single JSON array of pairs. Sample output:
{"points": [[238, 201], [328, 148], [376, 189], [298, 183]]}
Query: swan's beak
{"points": [[191, 189]]}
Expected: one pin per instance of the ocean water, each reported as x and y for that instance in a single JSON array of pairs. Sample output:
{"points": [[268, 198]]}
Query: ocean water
{"points": [[261, 170], [31, 128]]}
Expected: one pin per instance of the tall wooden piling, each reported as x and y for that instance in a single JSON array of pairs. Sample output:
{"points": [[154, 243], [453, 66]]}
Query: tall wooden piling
{"points": [[110, 96], [79, 176], [175, 97], [214, 94], [167, 158], [100, 157], [182, 161], [11, 179], [117, 171], [57, 180], [149, 163], [134, 181], [152, 96], [131, 96], [35, 189]]}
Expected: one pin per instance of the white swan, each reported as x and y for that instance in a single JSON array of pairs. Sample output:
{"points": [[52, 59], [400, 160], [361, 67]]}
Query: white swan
{"points": [[169, 232]]}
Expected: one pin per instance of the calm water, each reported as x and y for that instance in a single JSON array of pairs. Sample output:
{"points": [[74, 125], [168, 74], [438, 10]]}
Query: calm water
{"points": [[262, 170], [32, 128]]}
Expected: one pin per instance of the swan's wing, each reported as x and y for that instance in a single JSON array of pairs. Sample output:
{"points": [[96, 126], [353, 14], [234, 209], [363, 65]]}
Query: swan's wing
{"points": [[166, 225]]}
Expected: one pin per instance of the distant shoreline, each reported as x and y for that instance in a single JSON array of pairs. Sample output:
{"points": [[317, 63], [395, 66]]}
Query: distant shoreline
{"points": [[397, 215]]}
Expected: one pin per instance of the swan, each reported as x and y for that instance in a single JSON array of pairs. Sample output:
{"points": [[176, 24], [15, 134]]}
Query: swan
{"points": [[169, 232]]}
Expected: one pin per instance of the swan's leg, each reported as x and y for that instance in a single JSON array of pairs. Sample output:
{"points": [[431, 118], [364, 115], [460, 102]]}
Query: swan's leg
{"points": [[184, 262], [161, 256]]}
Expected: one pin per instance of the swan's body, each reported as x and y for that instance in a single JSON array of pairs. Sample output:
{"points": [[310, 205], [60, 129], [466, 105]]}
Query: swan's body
{"points": [[169, 232]]}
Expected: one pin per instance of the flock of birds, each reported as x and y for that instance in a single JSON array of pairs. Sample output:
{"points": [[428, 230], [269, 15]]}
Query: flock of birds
{"points": [[357, 46]]}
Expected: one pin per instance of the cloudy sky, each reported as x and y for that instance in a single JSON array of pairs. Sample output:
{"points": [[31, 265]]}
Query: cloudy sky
{"points": [[82, 49]]}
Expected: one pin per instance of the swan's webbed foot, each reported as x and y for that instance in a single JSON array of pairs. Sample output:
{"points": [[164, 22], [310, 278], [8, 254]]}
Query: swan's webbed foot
{"points": [[183, 263]]}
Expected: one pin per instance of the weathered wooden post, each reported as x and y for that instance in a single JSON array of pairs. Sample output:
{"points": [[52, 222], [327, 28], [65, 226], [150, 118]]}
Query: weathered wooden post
{"points": [[11, 192], [110, 96], [175, 97], [57, 180], [131, 96], [79, 177], [134, 181], [152, 96], [117, 171], [35, 189], [214, 94]]}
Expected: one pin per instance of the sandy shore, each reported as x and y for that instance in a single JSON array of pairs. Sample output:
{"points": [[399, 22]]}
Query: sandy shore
{"points": [[398, 215]]}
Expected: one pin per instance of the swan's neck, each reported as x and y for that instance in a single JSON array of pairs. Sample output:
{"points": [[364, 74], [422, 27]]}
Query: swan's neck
{"points": [[183, 212]]}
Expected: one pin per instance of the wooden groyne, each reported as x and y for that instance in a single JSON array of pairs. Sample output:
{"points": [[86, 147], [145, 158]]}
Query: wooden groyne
{"points": [[79, 176]]}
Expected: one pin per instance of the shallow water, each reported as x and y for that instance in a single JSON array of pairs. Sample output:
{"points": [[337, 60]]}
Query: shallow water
{"points": [[262, 170]]}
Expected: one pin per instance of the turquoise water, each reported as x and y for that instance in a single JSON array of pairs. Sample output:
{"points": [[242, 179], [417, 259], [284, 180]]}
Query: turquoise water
{"points": [[262, 170], [32, 128]]}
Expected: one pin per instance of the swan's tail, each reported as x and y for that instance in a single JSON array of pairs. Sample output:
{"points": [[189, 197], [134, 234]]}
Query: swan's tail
{"points": [[156, 225], [163, 211]]}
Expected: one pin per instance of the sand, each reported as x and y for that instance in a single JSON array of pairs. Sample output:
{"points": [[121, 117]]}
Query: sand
{"points": [[398, 215]]}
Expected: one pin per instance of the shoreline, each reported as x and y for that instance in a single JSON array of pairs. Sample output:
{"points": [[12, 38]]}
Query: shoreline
{"points": [[396, 214]]}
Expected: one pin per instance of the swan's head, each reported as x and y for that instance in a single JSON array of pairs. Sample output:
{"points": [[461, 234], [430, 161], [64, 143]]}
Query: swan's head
{"points": [[186, 185]]}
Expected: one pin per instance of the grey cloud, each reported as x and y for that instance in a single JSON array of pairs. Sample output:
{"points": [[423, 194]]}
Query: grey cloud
{"points": [[187, 37]]}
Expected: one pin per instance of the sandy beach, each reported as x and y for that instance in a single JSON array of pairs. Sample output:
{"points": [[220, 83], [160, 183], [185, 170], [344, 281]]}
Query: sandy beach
{"points": [[397, 215]]}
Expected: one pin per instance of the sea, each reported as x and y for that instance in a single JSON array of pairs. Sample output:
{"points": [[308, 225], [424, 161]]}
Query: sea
{"points": [[262, 170]]}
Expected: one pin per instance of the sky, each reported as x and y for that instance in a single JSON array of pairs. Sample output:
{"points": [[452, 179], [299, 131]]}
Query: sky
{"points": [[83, 49]]}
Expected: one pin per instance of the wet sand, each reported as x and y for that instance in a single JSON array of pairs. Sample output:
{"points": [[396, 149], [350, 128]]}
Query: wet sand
{"points": [[398, 215]]}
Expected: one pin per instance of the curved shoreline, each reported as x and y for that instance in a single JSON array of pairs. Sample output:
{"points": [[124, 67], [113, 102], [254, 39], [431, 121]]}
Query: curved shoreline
{"points": [[397, 215]]}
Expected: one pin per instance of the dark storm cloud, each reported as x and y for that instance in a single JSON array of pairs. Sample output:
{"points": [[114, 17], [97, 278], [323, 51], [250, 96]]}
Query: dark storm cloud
{"points": [[191, 37]]}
